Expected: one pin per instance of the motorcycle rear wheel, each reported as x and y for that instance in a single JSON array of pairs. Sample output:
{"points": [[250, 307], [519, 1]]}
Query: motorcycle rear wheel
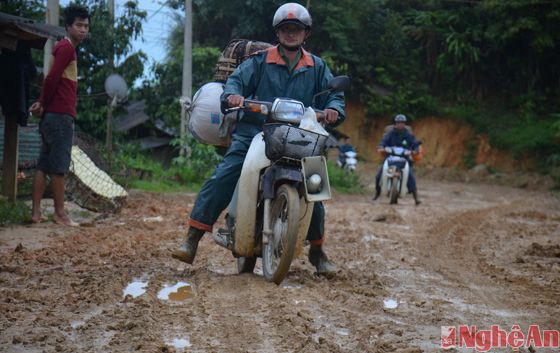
{"points": [[394, 191], [246, 264], [277, 255]]}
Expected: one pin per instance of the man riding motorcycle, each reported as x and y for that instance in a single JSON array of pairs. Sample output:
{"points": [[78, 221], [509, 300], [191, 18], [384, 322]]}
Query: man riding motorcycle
{"points": [[285, 70], [399, 136], [346, 146]]}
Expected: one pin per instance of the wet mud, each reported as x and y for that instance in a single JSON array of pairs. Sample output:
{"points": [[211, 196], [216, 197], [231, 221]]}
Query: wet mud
{"points": [[470, 254]]}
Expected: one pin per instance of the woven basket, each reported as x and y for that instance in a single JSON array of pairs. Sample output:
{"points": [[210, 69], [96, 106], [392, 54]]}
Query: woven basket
{"points": [[237, 51], [92, 188]]}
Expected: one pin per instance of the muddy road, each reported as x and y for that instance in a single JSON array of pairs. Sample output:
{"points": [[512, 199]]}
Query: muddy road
{"points": [[471, 254]]}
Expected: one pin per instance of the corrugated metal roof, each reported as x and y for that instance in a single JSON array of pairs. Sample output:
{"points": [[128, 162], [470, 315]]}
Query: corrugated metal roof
{"points": [[150, 142], [160, 125], [134, 117], [29, 145], [14, 28]]}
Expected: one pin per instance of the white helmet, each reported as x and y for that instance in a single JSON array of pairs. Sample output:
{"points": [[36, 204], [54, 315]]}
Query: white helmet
{"points": [[292, 13]]}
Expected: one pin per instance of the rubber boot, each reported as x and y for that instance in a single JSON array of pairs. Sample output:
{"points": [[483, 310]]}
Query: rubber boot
{"points": [[187, 251], [319, 259], [377, 193], [416, 199]]}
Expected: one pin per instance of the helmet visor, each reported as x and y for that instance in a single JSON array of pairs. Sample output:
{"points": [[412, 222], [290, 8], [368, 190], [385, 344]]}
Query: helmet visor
{"points": [[294, 22]]}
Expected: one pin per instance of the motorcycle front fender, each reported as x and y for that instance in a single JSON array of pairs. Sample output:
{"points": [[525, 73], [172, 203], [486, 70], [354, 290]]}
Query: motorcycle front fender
{"points": [[247, 197], [404, 179], [384, 177]]}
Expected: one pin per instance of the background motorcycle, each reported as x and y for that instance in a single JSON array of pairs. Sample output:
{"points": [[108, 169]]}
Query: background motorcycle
{"points": [[394, 176], [348, 160]]}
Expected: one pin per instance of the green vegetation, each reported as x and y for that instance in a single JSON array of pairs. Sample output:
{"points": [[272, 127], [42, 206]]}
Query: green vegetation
{"points": [[13, 213], [133, 169], [344, 181], [492, 63]]}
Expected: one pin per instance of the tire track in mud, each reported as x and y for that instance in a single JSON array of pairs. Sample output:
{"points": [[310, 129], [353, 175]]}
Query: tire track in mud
{"points": [[463, 247]]}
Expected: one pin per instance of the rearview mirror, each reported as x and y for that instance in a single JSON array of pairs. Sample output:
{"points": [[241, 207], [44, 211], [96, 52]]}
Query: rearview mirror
{"points": [[339, 83]]}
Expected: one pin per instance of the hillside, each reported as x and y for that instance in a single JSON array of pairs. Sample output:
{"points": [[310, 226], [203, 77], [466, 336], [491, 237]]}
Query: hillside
{"points": [[447, 142]]}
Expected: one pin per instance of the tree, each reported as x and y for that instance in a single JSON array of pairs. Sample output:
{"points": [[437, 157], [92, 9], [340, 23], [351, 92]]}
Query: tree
{"points": [[163, 92], [93, 59], [31, 9]]}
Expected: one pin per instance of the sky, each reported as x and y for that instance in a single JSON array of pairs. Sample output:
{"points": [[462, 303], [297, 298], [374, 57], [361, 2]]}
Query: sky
{"points": [[155, 28]]}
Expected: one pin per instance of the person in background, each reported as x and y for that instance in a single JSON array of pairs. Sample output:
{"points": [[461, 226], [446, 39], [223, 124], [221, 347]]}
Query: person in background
{"points": [[56, 108], [399, 136], [346, 146]]}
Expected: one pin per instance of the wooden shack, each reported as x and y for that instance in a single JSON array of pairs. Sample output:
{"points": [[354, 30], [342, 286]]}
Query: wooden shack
{"points": [[14, 31]]}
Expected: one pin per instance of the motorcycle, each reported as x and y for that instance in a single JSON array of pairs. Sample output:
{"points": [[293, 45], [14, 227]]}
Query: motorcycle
{"points": [[394, 176], [284, 173], [348, 161]]}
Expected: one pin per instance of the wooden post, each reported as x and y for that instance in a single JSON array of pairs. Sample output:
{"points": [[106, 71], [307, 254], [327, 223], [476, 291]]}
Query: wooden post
{"points": [[10, 163], [109, 135], [187, 74], [53, 15]]}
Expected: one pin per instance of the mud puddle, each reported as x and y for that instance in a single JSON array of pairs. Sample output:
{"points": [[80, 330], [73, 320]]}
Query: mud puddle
{"points": [[179, 291]]}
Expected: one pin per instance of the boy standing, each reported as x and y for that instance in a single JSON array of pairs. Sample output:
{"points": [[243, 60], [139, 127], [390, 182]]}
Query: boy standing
{"points": [[57, 108]]}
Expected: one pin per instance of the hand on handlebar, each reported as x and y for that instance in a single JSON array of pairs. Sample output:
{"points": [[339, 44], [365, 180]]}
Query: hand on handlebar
{"points": [[388, 149], [331, 116], [235, 100]]}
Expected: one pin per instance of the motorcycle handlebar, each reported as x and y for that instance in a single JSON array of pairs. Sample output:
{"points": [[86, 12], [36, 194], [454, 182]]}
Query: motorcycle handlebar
{"points": [[252, 106], [264, 107], [389, 151]]}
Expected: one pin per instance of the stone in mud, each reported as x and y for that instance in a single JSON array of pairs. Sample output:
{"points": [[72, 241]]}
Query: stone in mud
{"points": [[380, 218], [537, 249]]}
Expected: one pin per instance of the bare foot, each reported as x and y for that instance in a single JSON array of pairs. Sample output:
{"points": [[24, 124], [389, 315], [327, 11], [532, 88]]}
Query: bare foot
{"points": [[38, 218], [65, 220]]}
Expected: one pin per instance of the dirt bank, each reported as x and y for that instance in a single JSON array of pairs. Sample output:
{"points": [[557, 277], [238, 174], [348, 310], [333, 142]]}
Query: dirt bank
{"points": [[470, 254], [447, 142]]}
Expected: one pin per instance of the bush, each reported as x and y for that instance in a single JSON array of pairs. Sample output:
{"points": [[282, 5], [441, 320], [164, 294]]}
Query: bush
{"points": [[133, 169], [344, 181], [520, 133], [14, 213]]}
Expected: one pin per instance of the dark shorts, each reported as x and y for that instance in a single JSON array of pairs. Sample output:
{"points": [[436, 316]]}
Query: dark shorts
{"points": [[57, 131]]}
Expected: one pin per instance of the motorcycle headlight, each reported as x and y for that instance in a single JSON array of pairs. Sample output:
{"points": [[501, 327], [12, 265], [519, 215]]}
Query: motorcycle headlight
{"points": [[314, 183], [287, 110]]}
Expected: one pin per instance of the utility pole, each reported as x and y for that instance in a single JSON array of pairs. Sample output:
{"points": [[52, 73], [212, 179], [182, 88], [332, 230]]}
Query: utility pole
{"points": [[111, 102], [52, 17], [187, 73]]}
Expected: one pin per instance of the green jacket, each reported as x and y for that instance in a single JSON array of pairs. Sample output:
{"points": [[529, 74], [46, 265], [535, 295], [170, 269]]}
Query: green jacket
{"points": [[265, 76]]}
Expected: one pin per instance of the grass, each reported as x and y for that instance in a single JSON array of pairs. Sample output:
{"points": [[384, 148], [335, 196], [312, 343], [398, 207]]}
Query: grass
{"points": [[163, 186], [14, 213]]}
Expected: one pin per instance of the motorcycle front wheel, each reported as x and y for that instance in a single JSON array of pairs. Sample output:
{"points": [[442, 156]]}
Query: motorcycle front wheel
{"points": [[279, 251], [394, 191]]}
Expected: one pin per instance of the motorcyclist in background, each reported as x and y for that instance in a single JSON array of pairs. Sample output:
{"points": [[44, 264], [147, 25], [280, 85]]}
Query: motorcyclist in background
{"points": [[399, 136], [285, 70], [346, 146]]}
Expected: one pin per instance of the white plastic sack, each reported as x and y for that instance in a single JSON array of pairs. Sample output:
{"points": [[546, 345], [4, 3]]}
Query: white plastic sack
{"points": [[206, 121], [309, 122]]}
